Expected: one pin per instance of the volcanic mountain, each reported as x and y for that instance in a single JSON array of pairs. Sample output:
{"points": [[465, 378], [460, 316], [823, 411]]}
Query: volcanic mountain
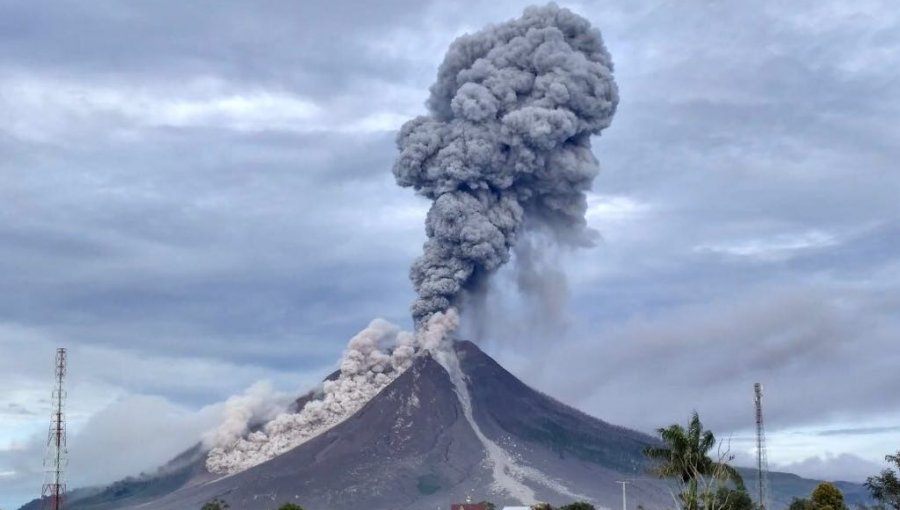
{"points": [[422, 443]]}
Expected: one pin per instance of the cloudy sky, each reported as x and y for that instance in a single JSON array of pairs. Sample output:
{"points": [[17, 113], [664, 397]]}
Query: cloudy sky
{"points": [[197, 196]]}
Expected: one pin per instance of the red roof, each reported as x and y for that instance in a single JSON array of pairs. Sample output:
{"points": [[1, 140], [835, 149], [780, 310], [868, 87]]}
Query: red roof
{"points": [[468, 506]]}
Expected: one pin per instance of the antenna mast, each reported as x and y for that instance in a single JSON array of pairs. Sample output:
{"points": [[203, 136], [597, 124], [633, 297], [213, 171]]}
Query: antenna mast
{"points": [[54, 488], [762, 463]]}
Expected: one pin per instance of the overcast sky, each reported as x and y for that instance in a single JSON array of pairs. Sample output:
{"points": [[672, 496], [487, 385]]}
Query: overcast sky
{"points": [[198, 196]]}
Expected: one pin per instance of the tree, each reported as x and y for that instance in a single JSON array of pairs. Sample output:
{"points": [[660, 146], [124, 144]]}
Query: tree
{"points": [[578, 505], [876, 506], [800, 504], [489, 505], [826, 496], [885, 488], [215, 504], [685, 456], [290, 506], [733, 499]]}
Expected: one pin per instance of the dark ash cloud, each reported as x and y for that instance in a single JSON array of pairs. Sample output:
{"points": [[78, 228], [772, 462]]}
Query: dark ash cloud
{"points": [[506, 147]]}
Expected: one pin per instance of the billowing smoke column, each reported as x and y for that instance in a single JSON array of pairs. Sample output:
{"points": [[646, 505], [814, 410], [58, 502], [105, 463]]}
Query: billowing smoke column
{"points": [[505, 146]]}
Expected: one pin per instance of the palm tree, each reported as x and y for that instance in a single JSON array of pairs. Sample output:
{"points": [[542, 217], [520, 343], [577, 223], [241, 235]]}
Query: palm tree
{"points": [[685, 455]]}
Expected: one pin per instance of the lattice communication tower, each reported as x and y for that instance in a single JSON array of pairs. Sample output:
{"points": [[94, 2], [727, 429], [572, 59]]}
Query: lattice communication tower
{"points": [[54, 488], [762, 463]]}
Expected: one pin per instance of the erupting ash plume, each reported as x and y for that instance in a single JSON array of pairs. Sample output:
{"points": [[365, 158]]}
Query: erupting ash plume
{"points": [[506, 146], [505, 149]]}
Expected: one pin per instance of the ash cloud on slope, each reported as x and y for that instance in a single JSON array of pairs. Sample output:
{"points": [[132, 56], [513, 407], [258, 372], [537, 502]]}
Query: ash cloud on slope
{"points": [[505, 148], [373, 358]]}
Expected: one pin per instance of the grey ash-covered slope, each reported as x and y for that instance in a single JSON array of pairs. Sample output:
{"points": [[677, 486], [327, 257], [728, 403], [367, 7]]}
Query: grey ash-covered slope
{"points": [[505, 406], [411, 447]]}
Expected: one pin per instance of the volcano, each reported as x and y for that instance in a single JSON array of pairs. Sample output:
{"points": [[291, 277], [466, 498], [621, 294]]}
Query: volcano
{"points": [[417, 444]]}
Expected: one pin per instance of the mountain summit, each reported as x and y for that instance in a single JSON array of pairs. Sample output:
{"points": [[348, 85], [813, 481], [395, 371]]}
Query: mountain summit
{"points": [[415, 445]]}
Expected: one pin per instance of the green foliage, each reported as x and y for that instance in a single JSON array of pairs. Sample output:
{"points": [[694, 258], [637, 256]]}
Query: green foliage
{"points": [[215, 504], [489, 505], [885, 488], [579, 505], [685, 456], [876, 506], [800, 504], [686, 453], [727, 498], [428, 484], [826, 496], [542, 506], [290, 506]]}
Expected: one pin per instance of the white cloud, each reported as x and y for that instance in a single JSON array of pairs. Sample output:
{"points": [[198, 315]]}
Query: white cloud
{"points": [[137, 433], [777, 247], [832, 467], [43, 108], [47, 109], [605, 211], [378, 121]]}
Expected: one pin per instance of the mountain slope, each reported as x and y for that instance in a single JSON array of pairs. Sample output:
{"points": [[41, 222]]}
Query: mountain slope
{"points": [[412, 447], [407, 442], [415, 446], [506, 405]]}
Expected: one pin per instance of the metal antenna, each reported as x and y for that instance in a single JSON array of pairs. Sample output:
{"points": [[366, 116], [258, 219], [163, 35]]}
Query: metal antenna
{"points": [[624, 483], [762, 463], [54, 488]]}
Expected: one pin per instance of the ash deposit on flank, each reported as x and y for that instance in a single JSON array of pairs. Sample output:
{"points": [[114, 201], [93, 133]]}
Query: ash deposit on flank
{"points": [[504, 149]]}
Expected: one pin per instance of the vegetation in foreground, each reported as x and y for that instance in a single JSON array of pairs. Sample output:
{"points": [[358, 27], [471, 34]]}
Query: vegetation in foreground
{"points": [[704, 483], [826, 496], [885, 487]]}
